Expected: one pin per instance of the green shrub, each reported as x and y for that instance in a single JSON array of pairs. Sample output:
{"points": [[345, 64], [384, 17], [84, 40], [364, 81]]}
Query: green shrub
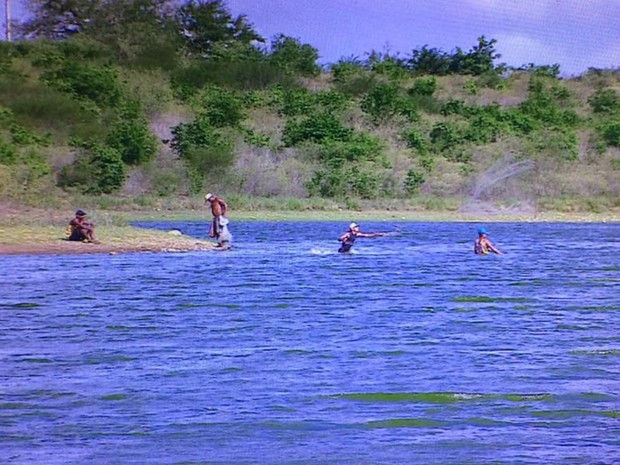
{"points": [[414, 181], [361, 146], [424, 86], [454, 107], [221, 107], [318, 128], [445, 135], [542, 105], [206, 159], [471, 87], [97, 170], [22, 136], [242, 75], [197, 133], [98, 84], [8, 153], [32, 166], [384, 102], [131, 136], [332, 100], [363, 183], [605, 101], [415, 140], [255, 138], [297, 102], [611, 133]]}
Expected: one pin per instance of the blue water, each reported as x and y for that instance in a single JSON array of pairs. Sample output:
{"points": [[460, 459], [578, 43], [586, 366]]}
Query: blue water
{"points": [[410, 350]]}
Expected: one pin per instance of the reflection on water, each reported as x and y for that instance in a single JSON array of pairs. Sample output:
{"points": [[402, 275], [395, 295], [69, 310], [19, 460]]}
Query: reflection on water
{"points": [[411, 350]]}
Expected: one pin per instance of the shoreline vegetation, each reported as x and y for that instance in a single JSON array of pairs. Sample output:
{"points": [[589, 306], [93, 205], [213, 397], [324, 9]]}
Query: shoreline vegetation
{"points": [[34, 231]]}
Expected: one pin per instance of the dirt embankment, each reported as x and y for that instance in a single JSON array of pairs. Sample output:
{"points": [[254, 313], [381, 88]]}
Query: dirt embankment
{"points": [[24, 231]]}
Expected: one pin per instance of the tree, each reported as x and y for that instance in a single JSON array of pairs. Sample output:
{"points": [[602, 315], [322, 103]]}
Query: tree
{"points": [[127, 27], [429, 61], [207, 27], [59, 19], [292, 56], [479, 60]]}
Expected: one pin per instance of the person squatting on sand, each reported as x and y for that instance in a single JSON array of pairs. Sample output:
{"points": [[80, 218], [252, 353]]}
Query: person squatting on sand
{"points": [[80, 229]]}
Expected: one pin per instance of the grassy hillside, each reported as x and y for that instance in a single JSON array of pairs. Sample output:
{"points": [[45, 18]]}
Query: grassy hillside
{"points": [[79, 127]]}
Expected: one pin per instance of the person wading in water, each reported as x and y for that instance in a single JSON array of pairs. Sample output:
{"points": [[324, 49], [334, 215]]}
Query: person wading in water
{"points": [[483, 245], [348, 238], [219, 208]]}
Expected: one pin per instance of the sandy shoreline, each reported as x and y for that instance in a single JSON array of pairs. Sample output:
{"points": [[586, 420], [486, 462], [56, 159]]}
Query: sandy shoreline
{"points": [[35, 231], [20, 240]]}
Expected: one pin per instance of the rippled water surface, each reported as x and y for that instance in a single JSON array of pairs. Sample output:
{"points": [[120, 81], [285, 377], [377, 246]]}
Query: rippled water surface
{"points": [[411, 350]]}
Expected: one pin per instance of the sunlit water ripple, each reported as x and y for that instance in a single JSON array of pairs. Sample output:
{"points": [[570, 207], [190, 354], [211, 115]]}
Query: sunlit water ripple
{"points": [[410, 350]]}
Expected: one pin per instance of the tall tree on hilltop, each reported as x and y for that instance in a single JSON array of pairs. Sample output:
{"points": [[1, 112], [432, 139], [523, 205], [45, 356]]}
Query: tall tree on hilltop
{"points": [[125, 26], [292, 56], [59, 19], [209, 30]]}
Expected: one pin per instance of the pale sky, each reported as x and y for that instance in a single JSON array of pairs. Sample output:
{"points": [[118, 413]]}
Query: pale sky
{"points": [[576, 34]]}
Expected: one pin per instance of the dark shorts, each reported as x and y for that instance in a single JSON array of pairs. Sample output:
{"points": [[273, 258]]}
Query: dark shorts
{"points": [[344, 248], [77, 235]]}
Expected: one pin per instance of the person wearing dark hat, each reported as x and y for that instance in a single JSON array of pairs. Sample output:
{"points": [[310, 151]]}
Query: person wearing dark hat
{"points": [[81, 229], [348, 238], [219, 208], [483, 245]]}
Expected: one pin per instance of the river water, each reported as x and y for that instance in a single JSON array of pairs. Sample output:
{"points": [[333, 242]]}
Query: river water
{"points": [[282, 351]]}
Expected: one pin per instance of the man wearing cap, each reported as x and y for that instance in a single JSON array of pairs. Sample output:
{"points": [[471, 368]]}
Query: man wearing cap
{"points": [[348, 238], [219, 208], [483, 245], [80, 229]]}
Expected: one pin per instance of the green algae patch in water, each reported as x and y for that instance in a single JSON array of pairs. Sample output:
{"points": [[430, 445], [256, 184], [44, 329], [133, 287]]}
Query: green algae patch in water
{"points": [[479, 299], [487, 299], [597, 352], [406, 423], [25, 305], [562, 414], [441, 397], [425, 397], [114, 397]]}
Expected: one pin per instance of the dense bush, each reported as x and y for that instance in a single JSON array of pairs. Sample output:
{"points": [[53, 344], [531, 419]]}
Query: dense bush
{"points": [[611, 133], [8, 153], [424, 86], [293, 57], [221, 107], [131, 136], [415, 140], [202, 147], [98, 84], [384, 102], [414, 181], [97, 170], [445, 135], [605, 101], [316, 128], [360, 147]]}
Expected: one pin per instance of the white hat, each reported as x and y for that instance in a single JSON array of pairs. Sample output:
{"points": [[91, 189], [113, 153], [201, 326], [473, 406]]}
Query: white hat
{"points": [[353, 225], [208, 196]]}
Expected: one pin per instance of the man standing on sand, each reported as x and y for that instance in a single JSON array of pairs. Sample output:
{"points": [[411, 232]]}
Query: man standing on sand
{"points": [[348, 238], [219, 208]]}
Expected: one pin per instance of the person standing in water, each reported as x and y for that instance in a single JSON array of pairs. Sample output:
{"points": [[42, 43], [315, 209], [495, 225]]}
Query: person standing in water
{"points": [[219, 208], [483, 245], [348, 238]]}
